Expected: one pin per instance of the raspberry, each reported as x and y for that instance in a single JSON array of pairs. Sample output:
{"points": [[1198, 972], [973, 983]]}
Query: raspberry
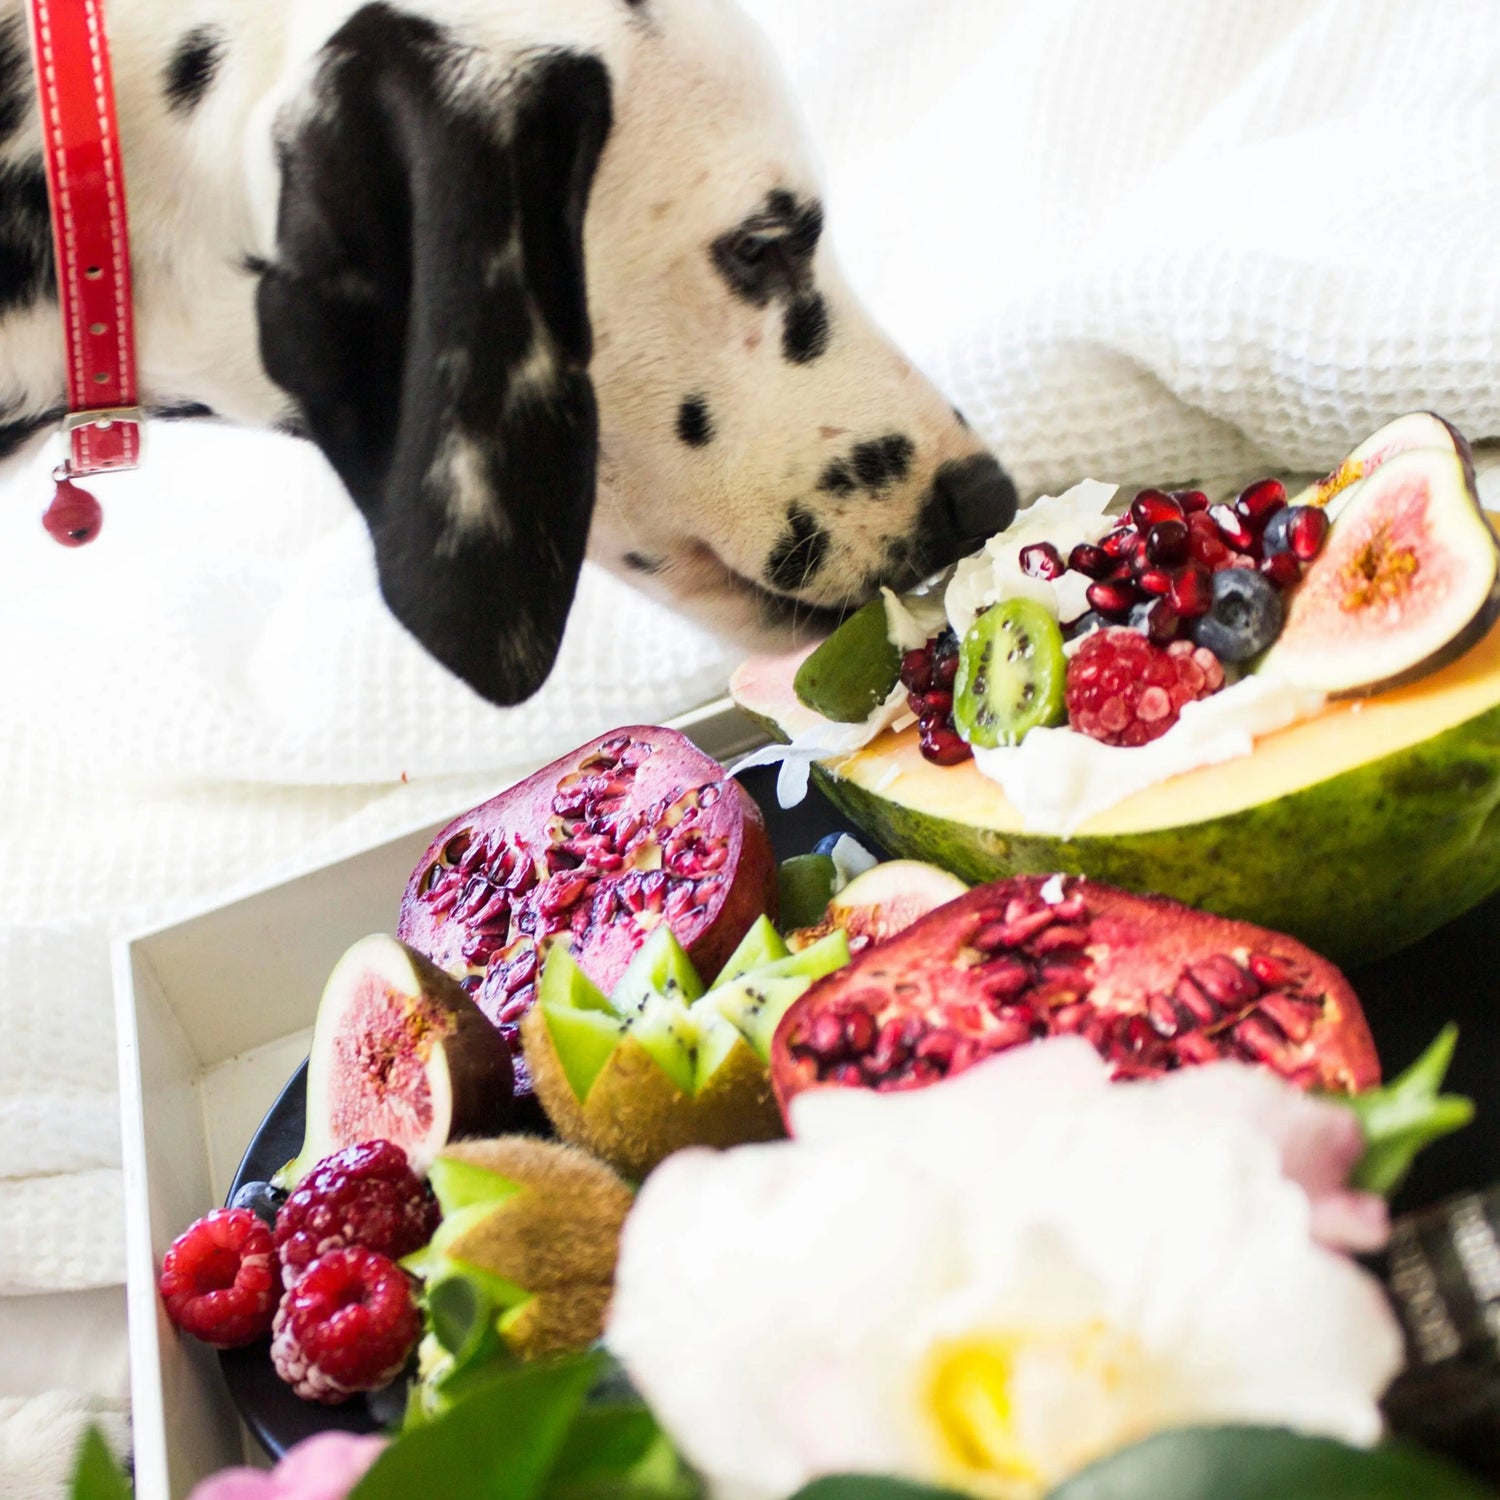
{"points": [[348, 1325], [363, 1195], [218, 1279], [1122, 690]]}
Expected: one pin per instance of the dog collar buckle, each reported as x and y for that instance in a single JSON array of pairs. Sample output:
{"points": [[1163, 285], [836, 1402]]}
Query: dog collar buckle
{"points": [[91, 244]]}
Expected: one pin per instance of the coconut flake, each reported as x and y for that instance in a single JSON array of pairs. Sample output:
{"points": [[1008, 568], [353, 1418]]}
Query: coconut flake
{"points": [[1052, 890], [994, 572]]}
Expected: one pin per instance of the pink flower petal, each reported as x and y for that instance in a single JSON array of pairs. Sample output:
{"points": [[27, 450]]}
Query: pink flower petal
{"points": [[237, 1484], [325, 1467]]}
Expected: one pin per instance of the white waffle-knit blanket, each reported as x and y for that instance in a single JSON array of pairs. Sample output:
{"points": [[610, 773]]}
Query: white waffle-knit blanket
{"points": [[1137, 239]]}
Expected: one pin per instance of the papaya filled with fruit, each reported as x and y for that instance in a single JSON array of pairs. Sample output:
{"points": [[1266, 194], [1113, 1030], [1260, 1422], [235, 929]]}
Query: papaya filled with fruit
{"points": [[1358, 827]]}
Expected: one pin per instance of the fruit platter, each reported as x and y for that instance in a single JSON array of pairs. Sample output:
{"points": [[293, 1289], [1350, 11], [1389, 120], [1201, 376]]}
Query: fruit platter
{"points": [[1105, 923]]}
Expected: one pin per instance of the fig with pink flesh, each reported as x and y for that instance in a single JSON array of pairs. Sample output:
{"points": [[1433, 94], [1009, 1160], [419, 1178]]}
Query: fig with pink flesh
{"points": [[1417, 429], [1154, 985], [1408, 579], [883, 901], [634, 829], [399, 1053]]}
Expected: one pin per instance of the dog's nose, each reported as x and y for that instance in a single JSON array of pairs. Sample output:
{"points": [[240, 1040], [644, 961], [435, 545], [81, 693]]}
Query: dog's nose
{"points": [[977, 495]]}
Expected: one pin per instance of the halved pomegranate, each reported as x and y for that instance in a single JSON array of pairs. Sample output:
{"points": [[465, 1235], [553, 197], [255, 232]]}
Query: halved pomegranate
{"points": [[633, 829], [1154, 985]]}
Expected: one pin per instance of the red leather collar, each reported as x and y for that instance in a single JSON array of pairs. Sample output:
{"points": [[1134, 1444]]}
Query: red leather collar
{"points": [[86, 181]]}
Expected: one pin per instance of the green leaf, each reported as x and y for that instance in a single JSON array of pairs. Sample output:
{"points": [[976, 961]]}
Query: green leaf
{"points": [[1401, 1117], [617, 1451], [499, 1444], [1263, 1463], [876, 1487], [96, 1475]]}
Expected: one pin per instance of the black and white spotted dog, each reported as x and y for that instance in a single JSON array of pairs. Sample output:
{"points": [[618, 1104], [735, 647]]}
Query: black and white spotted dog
{"points": [[535, 275]]}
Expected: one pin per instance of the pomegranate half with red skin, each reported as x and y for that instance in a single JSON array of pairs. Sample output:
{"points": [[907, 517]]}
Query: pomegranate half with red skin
{"points": [[1154, 985], [633, 829]]}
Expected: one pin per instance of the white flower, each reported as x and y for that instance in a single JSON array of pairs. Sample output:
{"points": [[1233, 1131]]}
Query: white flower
{"points": [[989, 1283]]}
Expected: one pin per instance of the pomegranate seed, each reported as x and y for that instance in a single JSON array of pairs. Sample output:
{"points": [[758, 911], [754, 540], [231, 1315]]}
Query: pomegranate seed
{"points": [[1271, 971], [826, 1038], [1282, 569], [850, 1075], [1151, 506], [1224, 980], [934, 705], [942, 746], [1197, 1008], [1194, 1047], [1071, 1018], [1308, 530], [1192, 592], [1121, 542], [1167, 543], [859, 1031], [1191, 501], [1260, 1039], [944, 669], [1042, 560], [1072, 908], [937, 1047], [1006, 977], [1011, 1031], [1162, 623], [1064, 976], [1092, 562], [1260, 501], [1294, 1017], [1112, 599], [1058, 937], [1012, 931], [1233, 528], [1163, 1015], [916, 671]]}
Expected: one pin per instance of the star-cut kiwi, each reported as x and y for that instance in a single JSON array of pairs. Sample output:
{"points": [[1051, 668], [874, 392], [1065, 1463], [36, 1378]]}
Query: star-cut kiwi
{"points": [[523, 1262], [662, 1063]]}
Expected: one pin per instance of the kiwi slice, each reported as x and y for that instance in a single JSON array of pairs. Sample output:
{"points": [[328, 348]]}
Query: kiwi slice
{"points": [[854, 670], [1012, 675]]}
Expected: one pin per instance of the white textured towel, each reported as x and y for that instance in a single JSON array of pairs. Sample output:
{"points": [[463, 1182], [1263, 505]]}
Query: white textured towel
{"points": [[1135, 239]]}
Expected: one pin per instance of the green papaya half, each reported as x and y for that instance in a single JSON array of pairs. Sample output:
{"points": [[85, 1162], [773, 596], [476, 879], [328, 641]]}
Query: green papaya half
{"points": [[1359, 830]]}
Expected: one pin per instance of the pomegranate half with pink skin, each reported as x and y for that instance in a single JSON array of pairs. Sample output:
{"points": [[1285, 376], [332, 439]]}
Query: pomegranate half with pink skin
{"points": [[1154, 985], [634, 829]]}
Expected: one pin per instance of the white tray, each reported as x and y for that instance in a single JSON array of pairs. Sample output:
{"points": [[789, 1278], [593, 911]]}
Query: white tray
{"points": [[214, 1014]]}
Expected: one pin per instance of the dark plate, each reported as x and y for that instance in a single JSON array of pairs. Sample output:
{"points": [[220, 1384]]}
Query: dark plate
{"points": [[1454, 974]]}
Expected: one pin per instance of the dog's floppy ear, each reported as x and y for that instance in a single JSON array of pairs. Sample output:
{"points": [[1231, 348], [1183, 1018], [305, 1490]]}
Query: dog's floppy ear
{"points": [[426, 308]]}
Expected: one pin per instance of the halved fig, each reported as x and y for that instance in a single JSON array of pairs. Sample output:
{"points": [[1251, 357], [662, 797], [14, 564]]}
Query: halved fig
{"points": [[633, 830], [1152, 984], [660, 1064], [399, 1053], [883, 901], [1417, 429], [1406, 581]]}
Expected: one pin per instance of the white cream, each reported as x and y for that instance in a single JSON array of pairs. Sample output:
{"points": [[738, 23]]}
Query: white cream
{"points": [[1057, 779], [994, 572]]}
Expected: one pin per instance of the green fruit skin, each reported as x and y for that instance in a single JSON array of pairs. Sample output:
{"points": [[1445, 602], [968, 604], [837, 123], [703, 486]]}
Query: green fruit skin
{"points": [[854, 670], [1357, 866]]}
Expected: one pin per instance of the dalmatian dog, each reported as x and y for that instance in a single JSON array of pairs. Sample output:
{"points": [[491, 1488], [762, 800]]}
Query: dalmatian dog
{"points": [[539, 277]]}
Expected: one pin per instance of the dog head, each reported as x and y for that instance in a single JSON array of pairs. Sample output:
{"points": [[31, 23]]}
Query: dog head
{"points": [[521, 265]]}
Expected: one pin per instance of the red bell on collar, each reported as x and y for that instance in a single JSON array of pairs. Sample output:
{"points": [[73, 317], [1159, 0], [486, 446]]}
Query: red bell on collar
{"points": [[91, 245]]}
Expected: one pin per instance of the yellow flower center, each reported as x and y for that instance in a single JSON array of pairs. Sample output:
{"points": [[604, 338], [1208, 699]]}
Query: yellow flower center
{"points": [[1016, 1412]]}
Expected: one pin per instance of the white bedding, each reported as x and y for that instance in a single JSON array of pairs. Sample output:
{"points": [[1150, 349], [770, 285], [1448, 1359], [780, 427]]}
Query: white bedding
{"points": [[1135, 239]]}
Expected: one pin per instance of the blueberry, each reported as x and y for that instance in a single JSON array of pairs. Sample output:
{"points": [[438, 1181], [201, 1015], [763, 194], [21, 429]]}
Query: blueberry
{"points": [[1085, 625], [1244, 618], [1277, 537], [261, 1199], [826, 843]]}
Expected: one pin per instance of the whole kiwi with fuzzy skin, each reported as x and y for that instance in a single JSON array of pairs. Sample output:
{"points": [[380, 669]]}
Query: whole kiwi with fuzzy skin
{"points": [[547, 1221]]}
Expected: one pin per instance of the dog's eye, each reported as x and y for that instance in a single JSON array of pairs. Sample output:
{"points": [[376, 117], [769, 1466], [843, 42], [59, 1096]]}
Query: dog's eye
{"points": [[752, 250]]}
